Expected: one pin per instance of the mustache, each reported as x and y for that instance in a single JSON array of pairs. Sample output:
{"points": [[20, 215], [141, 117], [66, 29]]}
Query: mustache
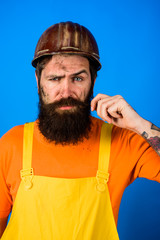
{"points": [[69, 102]]}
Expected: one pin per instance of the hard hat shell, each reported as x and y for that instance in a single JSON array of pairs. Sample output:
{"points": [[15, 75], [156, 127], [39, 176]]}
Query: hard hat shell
{"points": [[67, 37]]}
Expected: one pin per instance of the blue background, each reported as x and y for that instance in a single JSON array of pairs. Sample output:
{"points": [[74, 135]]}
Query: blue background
{"points": [[128, 35]]}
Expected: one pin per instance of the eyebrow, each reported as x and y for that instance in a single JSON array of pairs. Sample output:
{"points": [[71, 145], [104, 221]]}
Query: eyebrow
{"points": [[74, 74], [82, 71]]}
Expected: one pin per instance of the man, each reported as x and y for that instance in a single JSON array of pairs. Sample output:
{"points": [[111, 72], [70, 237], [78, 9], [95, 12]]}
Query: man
{"points": [[65, 174]]}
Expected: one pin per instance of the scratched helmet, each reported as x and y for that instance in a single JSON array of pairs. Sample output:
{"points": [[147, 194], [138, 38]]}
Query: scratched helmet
{"points": [[67, 37]]}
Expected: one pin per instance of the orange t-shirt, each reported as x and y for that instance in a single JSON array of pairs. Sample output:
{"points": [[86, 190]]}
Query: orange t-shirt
{"points": [[131, 157]]}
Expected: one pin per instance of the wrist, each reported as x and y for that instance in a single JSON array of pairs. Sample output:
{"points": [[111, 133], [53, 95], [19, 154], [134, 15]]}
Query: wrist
{"points": [[143, 126]]}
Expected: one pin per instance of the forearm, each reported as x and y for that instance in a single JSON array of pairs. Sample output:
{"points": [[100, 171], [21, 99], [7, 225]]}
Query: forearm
{"points": [[117, 111], [151, 134]]}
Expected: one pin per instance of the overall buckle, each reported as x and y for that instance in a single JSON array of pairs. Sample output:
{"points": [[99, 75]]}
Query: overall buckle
{"points": [[27, 176], [102, 179]]}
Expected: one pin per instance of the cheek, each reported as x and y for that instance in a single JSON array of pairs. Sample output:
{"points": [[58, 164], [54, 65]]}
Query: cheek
{"points": [[84, 92], [44, 94], [50, 93]]}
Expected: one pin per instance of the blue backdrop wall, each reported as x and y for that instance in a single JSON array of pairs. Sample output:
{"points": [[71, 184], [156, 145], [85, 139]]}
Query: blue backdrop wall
{"points": [[128, 35]]}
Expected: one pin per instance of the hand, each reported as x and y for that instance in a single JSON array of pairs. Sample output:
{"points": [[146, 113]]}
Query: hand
{"points": [[117, 111]]}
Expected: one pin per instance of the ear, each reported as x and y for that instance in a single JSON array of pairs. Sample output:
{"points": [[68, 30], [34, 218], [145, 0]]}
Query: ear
{"points": [[37, 81], [94, 81]]}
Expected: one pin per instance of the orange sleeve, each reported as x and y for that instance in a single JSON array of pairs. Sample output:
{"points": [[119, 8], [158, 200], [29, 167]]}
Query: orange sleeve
{"points": [[138, 157], [7, 152], [131, 157]]}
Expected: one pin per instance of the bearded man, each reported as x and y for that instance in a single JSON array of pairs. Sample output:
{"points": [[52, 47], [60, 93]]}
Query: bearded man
{"points": [[64, 174]]}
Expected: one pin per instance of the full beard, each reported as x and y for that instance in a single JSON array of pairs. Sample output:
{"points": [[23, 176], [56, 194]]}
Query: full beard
{"points": [[65, 126]]}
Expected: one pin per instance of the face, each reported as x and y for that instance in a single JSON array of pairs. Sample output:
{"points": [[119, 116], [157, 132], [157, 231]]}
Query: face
{"points": [[65, 76]]}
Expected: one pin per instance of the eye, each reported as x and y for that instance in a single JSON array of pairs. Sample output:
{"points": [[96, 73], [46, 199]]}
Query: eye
{"points": [[77, 79], [54, 79]]}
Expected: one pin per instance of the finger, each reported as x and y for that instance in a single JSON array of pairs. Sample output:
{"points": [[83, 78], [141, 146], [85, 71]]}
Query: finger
{"points": [[103, 105], [96, 99], [102, 98], [106, 102], [102, 111], [113, 111], [107, 117], [108, 109]]}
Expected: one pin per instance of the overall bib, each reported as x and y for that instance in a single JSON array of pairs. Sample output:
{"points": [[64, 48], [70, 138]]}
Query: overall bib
{"points": [[48, 208]]}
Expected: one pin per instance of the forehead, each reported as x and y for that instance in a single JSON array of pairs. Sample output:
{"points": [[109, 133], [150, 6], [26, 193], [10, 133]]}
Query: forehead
{"points": [[67, 63]]}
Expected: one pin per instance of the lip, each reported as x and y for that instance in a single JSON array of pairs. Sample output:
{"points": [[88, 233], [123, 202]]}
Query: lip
{"points": [[66, 107]]}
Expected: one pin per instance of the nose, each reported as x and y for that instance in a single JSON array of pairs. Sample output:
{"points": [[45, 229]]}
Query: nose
{"points": [[66, 89]]}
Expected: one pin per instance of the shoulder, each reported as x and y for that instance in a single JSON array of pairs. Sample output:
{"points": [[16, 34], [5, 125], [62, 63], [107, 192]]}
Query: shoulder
{"points": [[96, 126], [12, 138], [11, 144], [124, 139], [96, 122], [13, 135], [121, 135], [125, 134]]}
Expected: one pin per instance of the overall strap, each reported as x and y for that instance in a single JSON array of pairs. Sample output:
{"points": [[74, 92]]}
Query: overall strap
{"points": [[27, 170], [104, 156]]}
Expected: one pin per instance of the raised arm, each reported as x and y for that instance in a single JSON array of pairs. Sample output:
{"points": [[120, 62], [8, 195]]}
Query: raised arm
{"points": [[117, 111]]}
